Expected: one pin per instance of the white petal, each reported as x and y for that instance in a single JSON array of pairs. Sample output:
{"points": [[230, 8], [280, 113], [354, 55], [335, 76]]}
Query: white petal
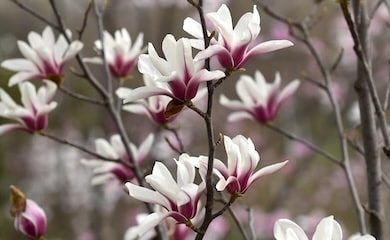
{"points": [[238, 116], [74, 48], [149, 222], [9, 127], [145, 147], [162, 181], [288, 91], [248, 92], [29, 53], [232, 104], [93, 60], [146, 195], [269, 46], [145, 92], [285, 229], [28, 95], [222, 20], [193, 28], [60, 47], [105, 149], [19, 64], [20, 77], [328, 229], [185, 170], [48, 36], [266, 171]]}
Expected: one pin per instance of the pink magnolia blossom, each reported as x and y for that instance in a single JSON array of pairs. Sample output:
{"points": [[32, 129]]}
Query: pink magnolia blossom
{"points": [[33, 115], [32, 222], [242, 160], [328, 228], [179, 73], [44, 57], [121, 54], [29, 217], [232, 49], [154, 107], [105, 171], [259, 100], [179, 199]]}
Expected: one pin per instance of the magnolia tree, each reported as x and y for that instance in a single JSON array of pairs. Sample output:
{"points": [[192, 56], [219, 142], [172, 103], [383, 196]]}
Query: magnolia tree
{"points": [[192, 198]]}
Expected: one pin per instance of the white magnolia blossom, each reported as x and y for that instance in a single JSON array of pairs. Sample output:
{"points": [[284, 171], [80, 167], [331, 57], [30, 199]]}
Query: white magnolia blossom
{"points": [[32, 116], [232, 47], [179, 199], [180, 74], [44, 57], [328, 228], [260, 100], [105, 170], [121, 54], [242, 160]]}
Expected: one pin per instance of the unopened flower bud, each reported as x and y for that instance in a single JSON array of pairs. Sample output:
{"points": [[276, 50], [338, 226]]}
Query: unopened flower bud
{"points": [[29, 218]]}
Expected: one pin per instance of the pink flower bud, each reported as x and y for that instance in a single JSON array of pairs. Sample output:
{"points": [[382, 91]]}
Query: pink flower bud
{"points": [[32, 222], [29, 218]]}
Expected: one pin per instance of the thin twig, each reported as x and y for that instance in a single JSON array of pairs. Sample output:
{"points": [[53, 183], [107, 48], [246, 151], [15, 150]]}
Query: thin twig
{"points": [[306, 143], [81, 97], [180, 149], [85, 20], [81, 148], [376, 7], [35, 14], [337, 61], [100, 26], [387, 95]]}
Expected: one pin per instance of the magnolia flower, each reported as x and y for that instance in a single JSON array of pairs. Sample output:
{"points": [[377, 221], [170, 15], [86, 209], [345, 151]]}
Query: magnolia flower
{"points": [[29, 217], [179, 199], [242, 160], [105, 171], [44, 57], [154, 107], [33, 115], [259, 100], [328, 228], [232, 47], [121, 55], [180, 74]]}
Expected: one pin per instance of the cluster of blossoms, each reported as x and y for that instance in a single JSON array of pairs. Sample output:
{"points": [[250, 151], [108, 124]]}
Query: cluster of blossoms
{"points": [[170, 83]]}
